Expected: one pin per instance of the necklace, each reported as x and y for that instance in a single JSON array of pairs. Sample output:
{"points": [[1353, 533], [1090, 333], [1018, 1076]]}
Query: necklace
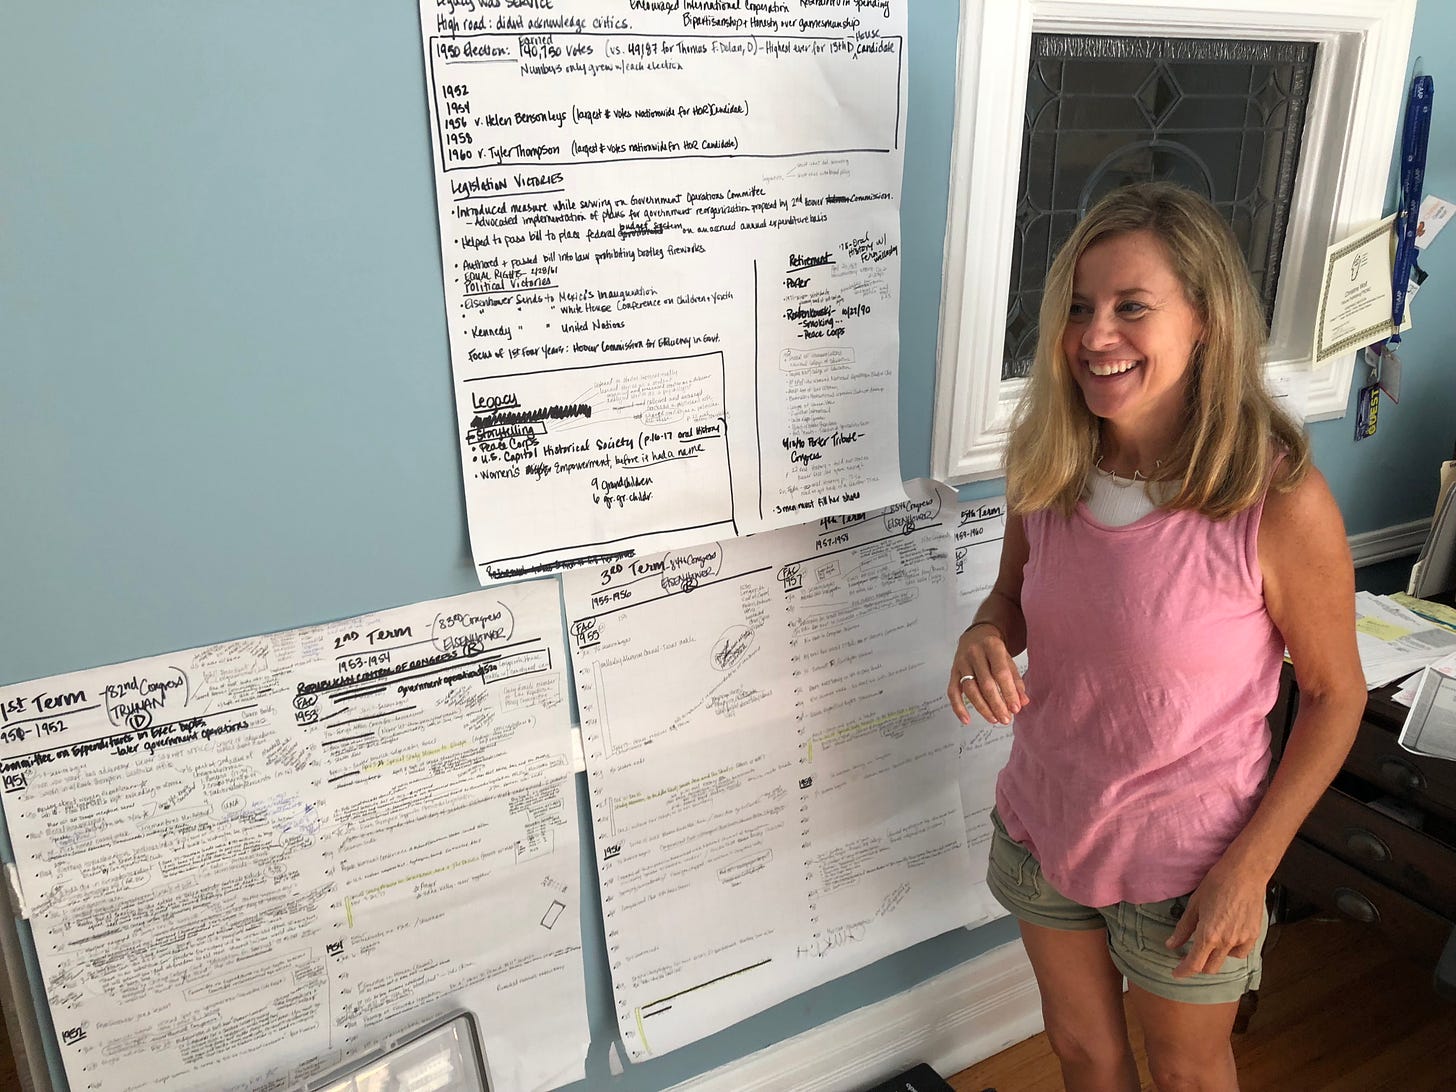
{"points": [[1118, 480]]}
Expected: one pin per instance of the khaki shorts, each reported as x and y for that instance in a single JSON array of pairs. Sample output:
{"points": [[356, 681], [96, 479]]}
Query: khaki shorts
{"points": [[1135, 930]]}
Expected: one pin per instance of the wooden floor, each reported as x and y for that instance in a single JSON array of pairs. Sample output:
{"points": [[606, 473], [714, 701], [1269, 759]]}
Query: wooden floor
{"points": [[1338, 1012], [9, 1080]]}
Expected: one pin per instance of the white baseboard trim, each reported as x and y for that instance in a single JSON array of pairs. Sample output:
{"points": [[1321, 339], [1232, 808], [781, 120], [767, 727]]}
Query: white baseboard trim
{"points": [[951, 1021], [1398, 540]]}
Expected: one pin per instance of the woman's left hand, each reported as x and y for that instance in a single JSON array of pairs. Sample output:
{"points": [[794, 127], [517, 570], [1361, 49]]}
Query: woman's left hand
{"points": [[1222, 920]]}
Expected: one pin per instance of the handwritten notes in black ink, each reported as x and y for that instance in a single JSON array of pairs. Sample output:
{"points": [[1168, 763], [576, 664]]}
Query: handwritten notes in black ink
{"points": [[980, 526], [670, 245], [246, 862], [772, 763]]}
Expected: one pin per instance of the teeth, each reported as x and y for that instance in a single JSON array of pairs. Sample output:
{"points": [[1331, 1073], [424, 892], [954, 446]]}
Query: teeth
{"points": [[1111, 367]]}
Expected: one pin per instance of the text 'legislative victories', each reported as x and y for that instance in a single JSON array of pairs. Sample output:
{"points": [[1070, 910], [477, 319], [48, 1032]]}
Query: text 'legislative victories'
{"points": [[671, 260]]}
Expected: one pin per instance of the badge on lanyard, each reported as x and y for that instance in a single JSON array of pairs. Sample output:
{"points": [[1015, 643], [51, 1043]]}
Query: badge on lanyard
{"points": [[1384, 364], [1367, 410], [1415, 134]]}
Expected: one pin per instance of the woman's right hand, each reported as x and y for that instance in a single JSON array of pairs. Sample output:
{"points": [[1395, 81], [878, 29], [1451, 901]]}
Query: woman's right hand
{"points": [[984, 677]]}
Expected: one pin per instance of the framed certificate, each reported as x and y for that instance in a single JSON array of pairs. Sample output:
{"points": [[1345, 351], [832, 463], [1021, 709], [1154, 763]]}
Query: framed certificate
{"points": [[1355, 295]]}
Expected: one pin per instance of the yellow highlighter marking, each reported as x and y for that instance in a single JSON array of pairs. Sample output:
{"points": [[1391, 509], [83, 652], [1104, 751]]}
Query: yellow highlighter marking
{"points": [[1385, 631]]}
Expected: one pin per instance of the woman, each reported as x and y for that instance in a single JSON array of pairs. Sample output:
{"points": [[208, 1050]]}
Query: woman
{"points": [[1168, 538]]}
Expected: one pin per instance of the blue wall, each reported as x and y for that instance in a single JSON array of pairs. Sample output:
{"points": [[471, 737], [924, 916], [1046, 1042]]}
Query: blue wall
{"points": [[225, 398]]}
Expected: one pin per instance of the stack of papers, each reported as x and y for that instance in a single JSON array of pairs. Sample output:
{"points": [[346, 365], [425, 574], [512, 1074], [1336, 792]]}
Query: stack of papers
{"points": [[1407, 692], [1394, 641], [1428, 608]]}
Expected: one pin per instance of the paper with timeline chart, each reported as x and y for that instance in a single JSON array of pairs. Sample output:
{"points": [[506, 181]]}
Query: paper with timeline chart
{"points": [[979, 527], [245, 863], [671, 258], [771, 761]]}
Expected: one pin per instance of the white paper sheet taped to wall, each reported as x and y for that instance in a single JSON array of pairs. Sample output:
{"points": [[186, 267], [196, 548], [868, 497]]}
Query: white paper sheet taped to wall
{"points": [[671, 253], [772, 763], [248, 861], [980, 527]]}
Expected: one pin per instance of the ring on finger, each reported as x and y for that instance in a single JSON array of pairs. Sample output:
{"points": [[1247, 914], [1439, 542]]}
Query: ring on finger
{"points": [[967, 678]]}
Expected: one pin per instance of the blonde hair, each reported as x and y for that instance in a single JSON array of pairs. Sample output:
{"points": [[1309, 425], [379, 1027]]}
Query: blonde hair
{"points": [[1234, 431]]}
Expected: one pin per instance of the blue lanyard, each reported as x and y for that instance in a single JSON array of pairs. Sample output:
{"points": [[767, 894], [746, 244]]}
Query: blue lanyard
{"points": [[1416, 132]]}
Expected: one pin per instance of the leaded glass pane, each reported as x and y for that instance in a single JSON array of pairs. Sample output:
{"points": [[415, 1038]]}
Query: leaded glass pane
{"points": [[1222, 117]]}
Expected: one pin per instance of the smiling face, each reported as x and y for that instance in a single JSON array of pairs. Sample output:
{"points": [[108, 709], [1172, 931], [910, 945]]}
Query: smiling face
{"points": [[1130, 333]]}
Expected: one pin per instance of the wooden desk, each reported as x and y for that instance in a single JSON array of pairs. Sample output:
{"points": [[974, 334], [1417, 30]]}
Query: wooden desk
{"points": [[1355, 858]]}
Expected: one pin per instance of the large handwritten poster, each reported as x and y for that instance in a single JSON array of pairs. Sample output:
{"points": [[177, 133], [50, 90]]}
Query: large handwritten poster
{"points": [[670, 243], [979, 528], [247, 862], [772, 766]]}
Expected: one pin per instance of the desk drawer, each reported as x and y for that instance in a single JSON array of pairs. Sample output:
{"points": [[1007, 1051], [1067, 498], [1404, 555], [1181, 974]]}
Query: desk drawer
{"points": [[1411, 862], [1429, 783], [1345, 890]]}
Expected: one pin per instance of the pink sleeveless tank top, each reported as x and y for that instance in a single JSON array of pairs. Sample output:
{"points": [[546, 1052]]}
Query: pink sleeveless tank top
{"points": [[1152, 666]]}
